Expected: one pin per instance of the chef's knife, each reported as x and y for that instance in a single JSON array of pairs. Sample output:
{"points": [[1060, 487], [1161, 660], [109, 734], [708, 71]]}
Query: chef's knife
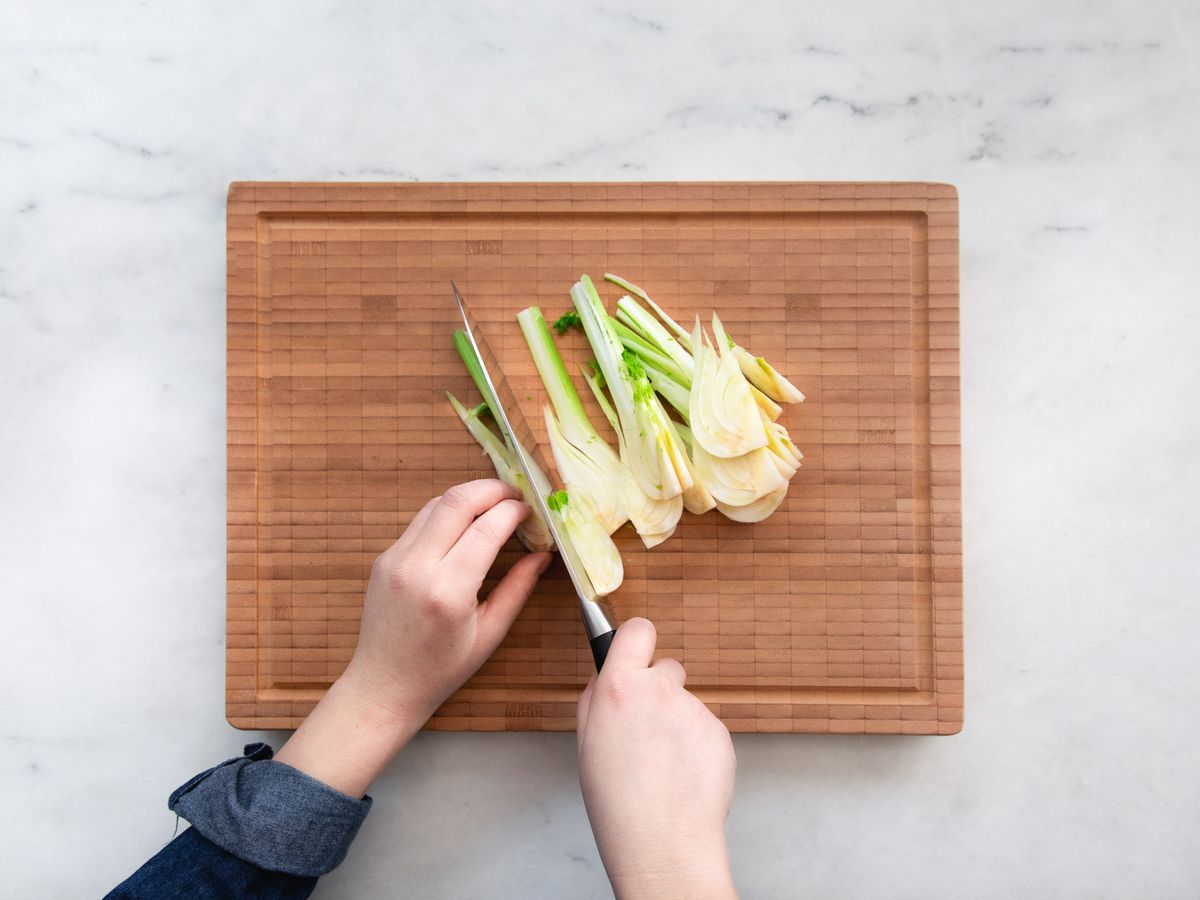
{"points": [[596, 619]]}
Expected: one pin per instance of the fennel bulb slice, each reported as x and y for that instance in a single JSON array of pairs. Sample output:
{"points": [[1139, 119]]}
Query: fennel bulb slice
{"points": [[760, 509], [696, 499], [763, 376], [757, 370], [649, 353], [593, 545], [779, 442], [770, 408], [786, 468], [739, 480], [723, 416], [654, 455], [585, 461], [680, 332], [594, 476], [572, 417], [678, 396], [649, 328], [653, 519], [534, 533]]}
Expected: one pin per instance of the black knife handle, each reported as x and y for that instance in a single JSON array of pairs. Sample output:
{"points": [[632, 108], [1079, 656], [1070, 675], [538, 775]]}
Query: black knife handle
{"points": [[600, 644]]}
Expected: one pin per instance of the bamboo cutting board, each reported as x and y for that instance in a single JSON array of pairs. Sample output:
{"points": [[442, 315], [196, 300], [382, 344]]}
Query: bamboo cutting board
{"points": [[840, 613]]}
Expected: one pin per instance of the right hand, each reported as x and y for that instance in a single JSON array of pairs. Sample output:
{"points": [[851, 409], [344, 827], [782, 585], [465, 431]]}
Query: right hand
{"points": [[657, 770]]}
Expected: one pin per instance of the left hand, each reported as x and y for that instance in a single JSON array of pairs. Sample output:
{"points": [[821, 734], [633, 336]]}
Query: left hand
{"points": [[424, 632]]}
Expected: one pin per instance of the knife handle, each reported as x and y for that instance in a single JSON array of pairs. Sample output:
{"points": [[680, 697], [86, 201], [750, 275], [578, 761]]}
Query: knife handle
{"points": [[600, 644]]}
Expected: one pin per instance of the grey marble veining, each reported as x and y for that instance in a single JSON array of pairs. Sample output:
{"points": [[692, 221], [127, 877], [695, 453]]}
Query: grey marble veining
{"points": [[1073, 132]]}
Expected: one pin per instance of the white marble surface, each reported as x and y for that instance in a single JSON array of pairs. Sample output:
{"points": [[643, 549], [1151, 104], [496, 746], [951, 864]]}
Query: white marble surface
{"points": [[1072, 130]]}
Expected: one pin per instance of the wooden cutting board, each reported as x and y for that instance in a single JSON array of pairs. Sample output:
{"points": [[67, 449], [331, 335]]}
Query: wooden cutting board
{"points": [[842, 612]]}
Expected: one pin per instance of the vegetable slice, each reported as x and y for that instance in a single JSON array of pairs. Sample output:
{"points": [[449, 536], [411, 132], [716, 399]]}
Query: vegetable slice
{"points": [[654, 520], [739, 480], [654, 455], [592, 544], [763, 376], [534, 533], [585, 462], [584, 476], [696, 499], [722, 413], [760, 509], [757, 370]]}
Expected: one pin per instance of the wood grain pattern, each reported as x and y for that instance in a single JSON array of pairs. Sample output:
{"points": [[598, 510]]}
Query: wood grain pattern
{"points": [[840, 613]]}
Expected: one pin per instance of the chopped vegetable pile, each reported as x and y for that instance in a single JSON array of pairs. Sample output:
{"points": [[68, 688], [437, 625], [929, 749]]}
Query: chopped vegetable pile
{"points": [[695, 417]]}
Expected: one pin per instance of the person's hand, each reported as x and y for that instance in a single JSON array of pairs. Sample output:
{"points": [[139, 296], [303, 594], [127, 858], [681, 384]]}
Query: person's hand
{"points": [[424, 632], [656, 768]]}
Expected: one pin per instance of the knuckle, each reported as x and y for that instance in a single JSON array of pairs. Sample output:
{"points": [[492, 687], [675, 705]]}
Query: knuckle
{"points": [[441, 604], [398, 579], [457, 497], [385, 567], [670, 664], [660, 686], [487, 532], [615, 690]]}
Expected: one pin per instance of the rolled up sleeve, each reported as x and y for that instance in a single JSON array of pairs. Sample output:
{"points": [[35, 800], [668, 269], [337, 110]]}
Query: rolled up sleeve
{"points": [[270, 814]]}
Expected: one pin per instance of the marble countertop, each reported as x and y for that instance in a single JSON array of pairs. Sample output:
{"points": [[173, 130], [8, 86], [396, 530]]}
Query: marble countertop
{"points": [[1072, 131]]}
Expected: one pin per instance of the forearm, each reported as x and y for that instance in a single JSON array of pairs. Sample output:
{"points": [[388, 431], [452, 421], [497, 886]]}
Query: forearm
{"points": [[348, 740]]}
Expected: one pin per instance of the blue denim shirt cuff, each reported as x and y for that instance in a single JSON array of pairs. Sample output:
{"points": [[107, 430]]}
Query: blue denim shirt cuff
{"points": [[270, 814]]}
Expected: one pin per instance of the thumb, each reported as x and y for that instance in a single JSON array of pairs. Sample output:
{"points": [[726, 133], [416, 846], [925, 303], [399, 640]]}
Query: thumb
{"points": [[508, 597], [632, 646]]}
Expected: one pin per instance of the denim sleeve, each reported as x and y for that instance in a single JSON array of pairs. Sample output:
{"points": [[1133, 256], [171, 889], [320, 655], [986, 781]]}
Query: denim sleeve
{"points": [[270, 814], [191, 866]]}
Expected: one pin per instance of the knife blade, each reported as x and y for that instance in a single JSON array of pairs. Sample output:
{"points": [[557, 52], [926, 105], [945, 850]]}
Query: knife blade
{"points": [[597, 621]]}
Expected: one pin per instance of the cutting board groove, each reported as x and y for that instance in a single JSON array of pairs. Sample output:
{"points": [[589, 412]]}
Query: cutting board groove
{"points": [[840, 613]]}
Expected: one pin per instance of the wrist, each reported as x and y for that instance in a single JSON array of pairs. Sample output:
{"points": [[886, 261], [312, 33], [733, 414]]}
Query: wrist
{"points": [[376, 706], [689, 866], [348, 739]]}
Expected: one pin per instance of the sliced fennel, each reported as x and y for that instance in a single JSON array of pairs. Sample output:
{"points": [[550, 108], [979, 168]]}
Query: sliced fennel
{"points": [[649, 329], [643, 331], [722, 413], [654, 520], [763, 376], [533, 532], [667, 380], [729, 453], [696, 499], [676, 394], [586, 477], [779, 442], [670, 382], [650, 354], [770, 408], [740, 480], [467, 352], [586, 463], [756, 510], [757, 370], [592, 544], [653, 452], [680, 332]]}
